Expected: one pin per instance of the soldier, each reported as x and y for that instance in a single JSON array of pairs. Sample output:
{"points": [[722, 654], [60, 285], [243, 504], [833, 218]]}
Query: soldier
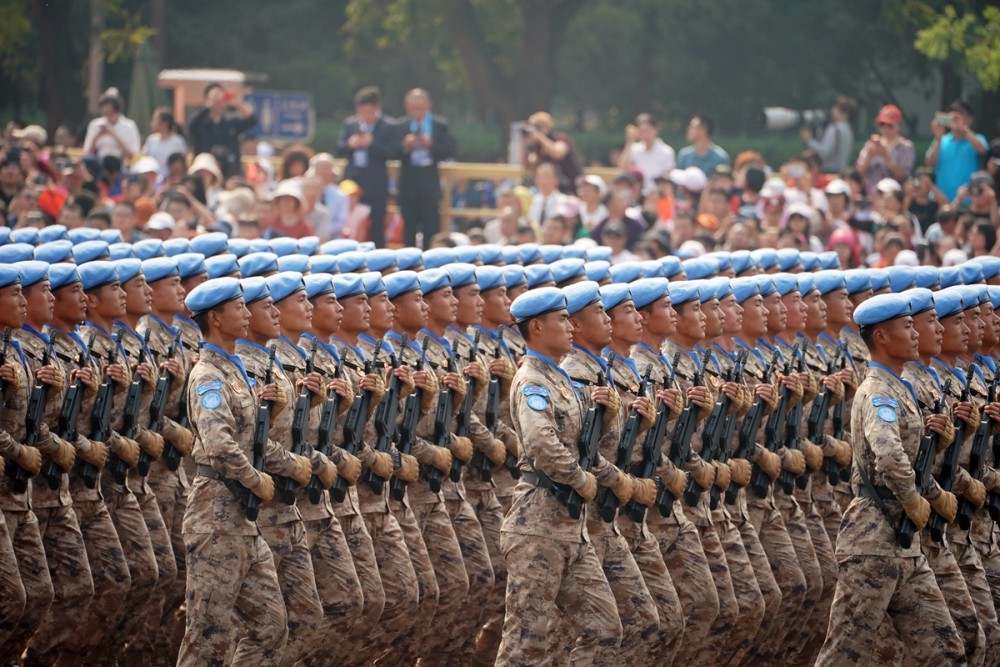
{"points": [[543, 545], [231, 571]]}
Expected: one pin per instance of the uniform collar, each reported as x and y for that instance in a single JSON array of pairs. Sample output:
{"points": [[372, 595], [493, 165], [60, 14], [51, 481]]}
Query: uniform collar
{"points": [[888, 371], [232, 358]]}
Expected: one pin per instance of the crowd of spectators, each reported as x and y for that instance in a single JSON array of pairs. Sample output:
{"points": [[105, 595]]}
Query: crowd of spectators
{"points": [[883, 206]]}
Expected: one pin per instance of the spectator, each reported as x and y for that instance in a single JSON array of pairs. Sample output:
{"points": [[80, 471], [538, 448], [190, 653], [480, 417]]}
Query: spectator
{"points": [[71, 215], [614, 236], [34, 157], [112, 134], [178, 204], [295, 162], [123, 219], [591, 191], [315, 211], [981, 197], [542, 145], [617, 204], [167, 138], [838, 203], [359, 214], [176, 170], [955, 152], [555, 231], [290, 205], [548, 201], [424, 141], [161, 225], [206, 169], [945, 225], [646, 151], [112, 182], [219, 124], [11, 177], [835, 146], [983, 239], [887, 154], [367, 141], [98, 219], [925, 197], [800, 185], [701, 152], [333, 197]]}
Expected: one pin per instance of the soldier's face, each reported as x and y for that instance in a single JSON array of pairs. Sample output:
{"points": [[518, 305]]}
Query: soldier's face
{"points": [[796, 309], [552, 334], [189, 284], [296, 313], [777, 313], [138, 296], [168, 295], [974, 321], [442, 306], [989, 325], [107, 301], [815, 311], [838, 308], [626, 324], [591, 326], [234, 319], [470, 305], [496, 306], [264, 319], [732, 315], [660, 318], [327, 314], [754, 318], [901, 339], [713, 318], [40, 303], [357, 314], [71, 303], [13, 306], [930, 331], [955, 339], [514, 292], [382, 312], [691, 320], [411, 311]]}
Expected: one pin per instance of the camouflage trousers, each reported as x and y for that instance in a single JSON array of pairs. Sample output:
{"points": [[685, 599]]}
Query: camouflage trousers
{"points": [[949, 578], [978, 578], [801, 533], [399, 581], [729, 607], [233, 596], [366, 567], [770, 592], [869, 588], [72, 584], [164, 632], [476, 557], [539, 570], [490, 514], [427, 587], [820, 517], [26, 540], [11, 588]]}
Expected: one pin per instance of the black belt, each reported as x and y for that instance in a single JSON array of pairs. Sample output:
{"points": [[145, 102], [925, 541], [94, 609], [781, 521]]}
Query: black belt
{"points": [[237, 489], [210, 472], [536, 479], [876, 492]]}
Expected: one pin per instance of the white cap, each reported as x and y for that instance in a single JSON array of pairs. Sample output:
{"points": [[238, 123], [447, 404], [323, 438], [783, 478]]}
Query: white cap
{"points": [[290, 187], [888, 185], [954, 257], [146, 165], [692, 178], [160, 221], [206, 162], [691, 248], [597, 182], [906, 258], [838, 186]]}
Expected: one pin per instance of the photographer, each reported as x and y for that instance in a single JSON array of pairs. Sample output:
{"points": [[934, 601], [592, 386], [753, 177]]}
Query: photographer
{"points": [[837, 141], [982, 198], [954, 154], [220, 123], [542, 144], [887, 154], [112, 133]]}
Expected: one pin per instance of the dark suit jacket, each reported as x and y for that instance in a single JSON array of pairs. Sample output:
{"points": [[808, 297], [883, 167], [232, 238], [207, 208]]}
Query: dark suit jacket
{"points": [[373, 179], [418, 182]]}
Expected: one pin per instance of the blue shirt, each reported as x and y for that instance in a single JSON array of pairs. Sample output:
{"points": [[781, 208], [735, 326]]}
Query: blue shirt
{"points": [[707, 162], [957, 159]]}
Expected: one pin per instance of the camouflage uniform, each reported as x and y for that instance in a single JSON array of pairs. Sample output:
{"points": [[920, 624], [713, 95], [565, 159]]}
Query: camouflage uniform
{"points": [[503, 482], [544, 547], [877, 576], [231, 572], [859, 356]]}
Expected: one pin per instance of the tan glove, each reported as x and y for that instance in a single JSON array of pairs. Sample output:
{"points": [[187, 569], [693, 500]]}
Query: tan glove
{"points": [[813, 454], [280, 403], [326, 473], [798, 391], [346, 402], [126, 449], [428, 399], [644, 491], [377, 393], [972, 423], [740, 471], [303, 470], [65, 455], [151, 443], [919, 512], [406, 387], [844, 454], [676, 483], [460, 392], [810, 388], [349, 468], [482, 381], [318, 397], [723, 476], [497, 453], [611, 409], [837, 393], [90, 388], [442, 459], [382, 465], [506, 375], [794, 461], [704, 476], [770, 463], [30, 459], [181, 438], [647, 420], [3, 465], [772, 404], [58, 380], [946, 505], [265, 487], [409, 470], [623, 488], [461, 448], [677, 406], [588, 489], [11, 389], [96, 454], [976, 493], [945, 439], [746, 395]]}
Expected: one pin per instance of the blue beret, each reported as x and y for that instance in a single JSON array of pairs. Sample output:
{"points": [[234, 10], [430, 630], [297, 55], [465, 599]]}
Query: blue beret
{"points": [[551, 253], [651, 268], [222, 265], [706, 291], [513, 275], [85, 252], [723, 258], [213, 243], [949, 276], [366, 246], [318, 284], [529, 253], [468, 254], [260, 245], [829, 281], [994, 293], [971, 273], [788, 259], [718, 287], [55, 251], [742, 261], [580, 295], [149, 248], [988, 263], [381, 259], [352, 261], [18, 252], [52, 233], [110, 236], [598, 270], [63, 274], [947, 302], [191, 264], [258, 263], [573, 251], [682, 291], [159, 268], [285, 284], [927, 277], [882, 308], [489, 277], [284, 245], [32, 271], [4, 235], [880, 279], [671, 266], [649, 290], [973, 295], [98, 274], [81, 234], [785, 283], [373, 283], [461, 274], [409, 259], [920, 300], [337, 246], [212, 293], [254, 289], [309, 245], [433, 279], [625, 272], [538, 275], [902, 278], [600, 253], [174, 247], [511, 254], [400, 283], [295, 262], [858, 280], [567, 269], [615, 295], [829, 260], [809, 260], [127, 268], [438, 257], [27, 235], [744, 288], [118, 251], [699, 268], [765, 284], [324, 264], [237, 247], [537, 302], [766, 258], [347, 285]]}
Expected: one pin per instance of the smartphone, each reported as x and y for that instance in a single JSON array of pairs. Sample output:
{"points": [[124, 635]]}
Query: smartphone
{"points": [[228, 96], [943, 118]]}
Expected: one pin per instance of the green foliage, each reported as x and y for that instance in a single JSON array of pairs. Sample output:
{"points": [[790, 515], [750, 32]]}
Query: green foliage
{"points": [[123, 43], [969, 39], [15, 29]]}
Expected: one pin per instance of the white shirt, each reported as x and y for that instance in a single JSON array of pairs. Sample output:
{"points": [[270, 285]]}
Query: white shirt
{"points": [[125, 129], [552, 206], [591, 219], [161, 149], [652, 162]]}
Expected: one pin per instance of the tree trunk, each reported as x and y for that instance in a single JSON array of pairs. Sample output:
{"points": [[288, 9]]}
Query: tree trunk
{"points": [[951, 85], [63, 103], [95, 57]]}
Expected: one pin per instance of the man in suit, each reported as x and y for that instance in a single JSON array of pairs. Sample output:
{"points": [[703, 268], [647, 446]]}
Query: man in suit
{"points": [[425, 141], [367, 141]]}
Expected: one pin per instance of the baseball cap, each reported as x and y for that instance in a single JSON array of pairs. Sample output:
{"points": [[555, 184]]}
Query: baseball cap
{"points": [[889, 114], [160, 221]]}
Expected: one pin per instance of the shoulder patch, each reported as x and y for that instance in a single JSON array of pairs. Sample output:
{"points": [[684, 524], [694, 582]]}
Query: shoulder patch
{"points": [[211, 400], [537, 402], [212, 385], [886, 414], [536, 390], [577, 385], [879, 401]]}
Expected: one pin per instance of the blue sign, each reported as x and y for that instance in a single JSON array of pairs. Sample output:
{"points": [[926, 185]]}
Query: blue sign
{"points": [[283, 115]]}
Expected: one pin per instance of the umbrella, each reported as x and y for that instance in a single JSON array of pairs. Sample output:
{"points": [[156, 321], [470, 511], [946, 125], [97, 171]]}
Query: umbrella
{"points": [[144, 94]]}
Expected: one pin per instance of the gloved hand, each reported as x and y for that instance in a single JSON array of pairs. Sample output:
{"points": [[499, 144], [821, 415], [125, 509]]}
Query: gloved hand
{"points": [[181, 438], [409, 470], [770, 463], [406, 385], [326, 473], [740, 471], [844, 454], [588, 489], [976, 493], [504, 370], [314, 382], [723, 476], [514, 447], [769, 394], [676, 483], [382, 465], [644, 491], [794, 461], [946, 505], [64, 455], [376, 385], [442, 459], [461, 448], [302, 472], [460, 387], [647, 413], [349, 468], [944, 427], [704, 475], [431, 389], [96, 454], [53, 376], [345, 390], [919, 511], [608, 397], [126, 449], [280, 402], [497, 453], [623, 488], [702, 398], [29, 458], [151, 443], [813, 455], [265, 487]]}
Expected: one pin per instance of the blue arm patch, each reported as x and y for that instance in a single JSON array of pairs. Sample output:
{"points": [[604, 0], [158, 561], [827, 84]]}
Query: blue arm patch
{"points": [[879, 401], [536, 390], [886, 414], [212, 385], [537, 402]]}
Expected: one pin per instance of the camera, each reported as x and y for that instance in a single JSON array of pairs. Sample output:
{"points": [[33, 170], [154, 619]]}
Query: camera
{"points": [[783, 118]]}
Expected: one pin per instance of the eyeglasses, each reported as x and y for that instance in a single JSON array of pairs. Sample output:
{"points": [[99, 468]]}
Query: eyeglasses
{"points": [[887, 125]]}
